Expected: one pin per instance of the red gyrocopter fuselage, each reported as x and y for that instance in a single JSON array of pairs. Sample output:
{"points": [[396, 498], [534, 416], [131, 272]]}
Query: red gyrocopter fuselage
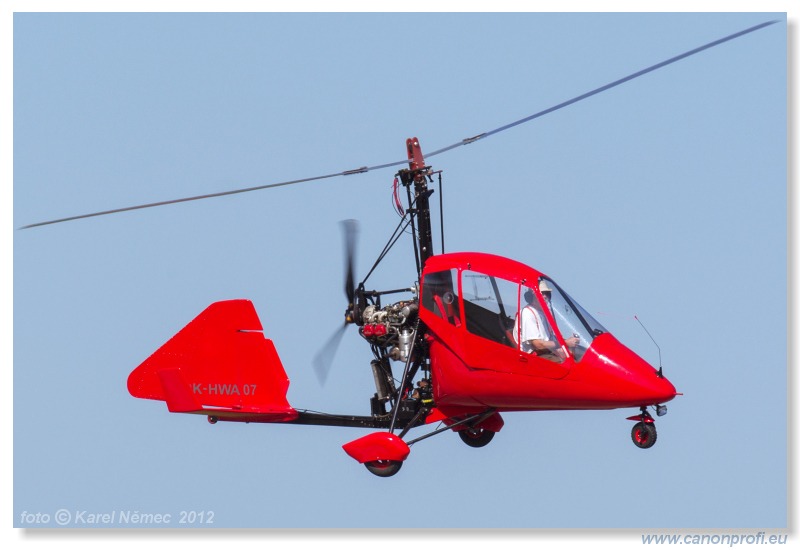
{"points": [[480, 335]]}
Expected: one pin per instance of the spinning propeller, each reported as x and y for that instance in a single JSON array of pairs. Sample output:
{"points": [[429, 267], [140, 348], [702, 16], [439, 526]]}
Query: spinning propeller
{"points": [[355, 303]]}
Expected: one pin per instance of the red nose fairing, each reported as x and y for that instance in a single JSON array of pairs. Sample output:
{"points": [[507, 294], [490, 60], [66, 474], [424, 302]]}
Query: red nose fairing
{"points": [[608, 376], [621, 378]]}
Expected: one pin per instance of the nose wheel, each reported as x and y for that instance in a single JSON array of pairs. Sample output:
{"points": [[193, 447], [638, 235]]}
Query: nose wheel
{"points": [[643, 433]]}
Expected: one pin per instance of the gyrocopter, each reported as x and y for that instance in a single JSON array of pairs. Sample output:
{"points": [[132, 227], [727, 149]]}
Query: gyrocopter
{"points": [[475, 337]]}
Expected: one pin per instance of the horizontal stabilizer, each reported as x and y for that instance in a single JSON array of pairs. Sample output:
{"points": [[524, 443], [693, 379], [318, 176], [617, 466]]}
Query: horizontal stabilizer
{"points": [[218, 364]]}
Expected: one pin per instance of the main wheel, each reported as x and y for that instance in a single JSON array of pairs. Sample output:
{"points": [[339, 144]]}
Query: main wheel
{"points": [[476, 437], [384, 468], [644, 434]]}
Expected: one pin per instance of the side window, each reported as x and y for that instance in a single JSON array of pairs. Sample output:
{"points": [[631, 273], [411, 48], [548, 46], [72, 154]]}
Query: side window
{"points": [[439, 295], [490, 306]]}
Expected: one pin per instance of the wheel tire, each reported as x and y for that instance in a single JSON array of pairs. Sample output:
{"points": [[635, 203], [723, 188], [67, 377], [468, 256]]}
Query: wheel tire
{"points": [[644, 435], [384, 468], [476, 437]]}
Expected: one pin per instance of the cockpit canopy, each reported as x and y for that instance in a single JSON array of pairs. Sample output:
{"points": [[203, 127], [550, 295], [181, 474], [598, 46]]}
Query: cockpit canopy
{"points": [[508, 303]]}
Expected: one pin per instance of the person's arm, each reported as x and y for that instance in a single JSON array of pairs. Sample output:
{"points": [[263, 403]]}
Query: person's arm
{"points": [[543, 345]]}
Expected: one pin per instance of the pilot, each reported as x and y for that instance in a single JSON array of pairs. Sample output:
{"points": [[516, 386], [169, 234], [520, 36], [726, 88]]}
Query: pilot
{"points": [[535, 333]]}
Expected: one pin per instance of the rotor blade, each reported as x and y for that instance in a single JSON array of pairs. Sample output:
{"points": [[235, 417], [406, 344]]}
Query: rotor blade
{"points": [[324, 357], [350, 230], [361, 170], [465, 141], [603, 88]]}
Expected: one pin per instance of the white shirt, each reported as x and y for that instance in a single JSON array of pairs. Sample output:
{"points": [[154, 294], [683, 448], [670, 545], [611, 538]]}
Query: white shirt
{"points": [[534, 327]]}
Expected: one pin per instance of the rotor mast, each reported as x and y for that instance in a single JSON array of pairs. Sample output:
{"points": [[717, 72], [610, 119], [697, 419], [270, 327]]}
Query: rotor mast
{"points": [[417, 174]]}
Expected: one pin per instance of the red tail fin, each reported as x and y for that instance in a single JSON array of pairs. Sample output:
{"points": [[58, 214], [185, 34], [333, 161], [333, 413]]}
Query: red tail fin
{"points": [[220, 364]]}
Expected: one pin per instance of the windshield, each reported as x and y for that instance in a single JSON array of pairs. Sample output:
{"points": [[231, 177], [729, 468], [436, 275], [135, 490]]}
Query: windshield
{"points": [[571, 318]]}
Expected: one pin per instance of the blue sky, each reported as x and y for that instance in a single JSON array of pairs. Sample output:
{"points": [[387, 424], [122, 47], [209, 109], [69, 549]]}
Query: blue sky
{"points": [[663, 198]]}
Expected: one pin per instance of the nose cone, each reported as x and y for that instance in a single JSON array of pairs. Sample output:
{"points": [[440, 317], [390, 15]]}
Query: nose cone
{"points": [[656, 390], [628, 379]]}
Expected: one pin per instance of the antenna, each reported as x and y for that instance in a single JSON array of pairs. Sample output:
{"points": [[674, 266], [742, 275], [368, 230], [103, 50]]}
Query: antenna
{"points": [[660, 367]]}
